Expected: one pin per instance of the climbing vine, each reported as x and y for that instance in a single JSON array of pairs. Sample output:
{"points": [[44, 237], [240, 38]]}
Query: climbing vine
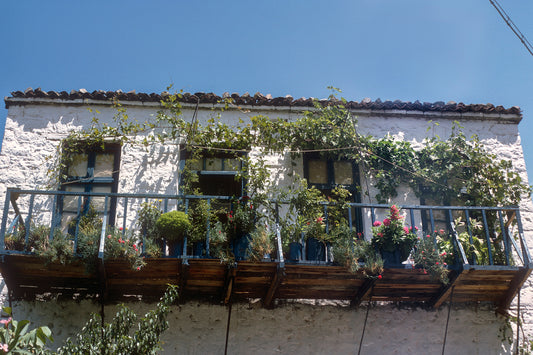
{"points": [[455, 170]]}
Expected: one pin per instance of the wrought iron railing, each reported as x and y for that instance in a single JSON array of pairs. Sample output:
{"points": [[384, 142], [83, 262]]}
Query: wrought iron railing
{"points": [[498, 229]]}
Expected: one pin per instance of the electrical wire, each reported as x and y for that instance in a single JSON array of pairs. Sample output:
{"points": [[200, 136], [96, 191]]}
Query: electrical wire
{"points": [[512, 26]]}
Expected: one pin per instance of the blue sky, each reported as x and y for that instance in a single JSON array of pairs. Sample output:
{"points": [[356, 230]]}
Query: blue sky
{"points": [[408, 50]]}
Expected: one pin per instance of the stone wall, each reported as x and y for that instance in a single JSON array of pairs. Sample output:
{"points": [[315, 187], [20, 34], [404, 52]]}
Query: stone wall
{"points": [[33, 132]]}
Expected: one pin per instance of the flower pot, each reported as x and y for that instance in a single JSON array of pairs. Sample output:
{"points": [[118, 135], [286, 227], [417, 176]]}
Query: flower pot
{"points": [[391, 259], [175, 249], [241, 247], [198, 248], [295, 252], [315, 250]]}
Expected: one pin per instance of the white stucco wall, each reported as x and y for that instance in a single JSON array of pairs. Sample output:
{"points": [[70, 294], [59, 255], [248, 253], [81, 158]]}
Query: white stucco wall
{"points": [[33, 132]]}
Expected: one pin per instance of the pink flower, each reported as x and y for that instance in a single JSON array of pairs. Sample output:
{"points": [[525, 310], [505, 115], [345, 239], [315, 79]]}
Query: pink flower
{"points": [[109, 236], [320, 220], [445, 264], [4, 347], [380, 235], [406, 230], [386, 222], [120, 228], [437, 263], [138, 268], [428, 236], [380, 277], [443, 253], [441, 231], [5, 322], [376, 224], [416, 228]]}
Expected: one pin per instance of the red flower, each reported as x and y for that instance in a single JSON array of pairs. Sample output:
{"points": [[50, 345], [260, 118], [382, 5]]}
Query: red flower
{"points": [[386, 222], [120, 228], [320, 220], [138, 268], [437, 263], [376, 224], [380, 235], [380, 277]]}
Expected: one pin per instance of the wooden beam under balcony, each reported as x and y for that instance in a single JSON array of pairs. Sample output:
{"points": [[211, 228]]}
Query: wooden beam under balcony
{"points": [[27, 276]]}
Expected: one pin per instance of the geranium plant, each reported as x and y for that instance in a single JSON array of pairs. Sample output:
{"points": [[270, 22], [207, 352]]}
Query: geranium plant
{"points": [[391, 235], [431, 258]]}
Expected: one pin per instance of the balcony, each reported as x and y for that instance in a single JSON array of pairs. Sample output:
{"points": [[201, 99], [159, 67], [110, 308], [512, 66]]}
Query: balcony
{"points": [[491, 278]]}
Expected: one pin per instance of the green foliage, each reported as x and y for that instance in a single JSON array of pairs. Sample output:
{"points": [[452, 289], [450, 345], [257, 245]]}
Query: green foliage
{"points": [[358, 255], [242, 219], [462, 171], [59, 249], [391, 162], [17, 338], [92, 139], [147, 218], [118, 337], [119, 245], [431, 258], [200, 215], [16, 239], [477, 249], [173, 225], [261, 244]]}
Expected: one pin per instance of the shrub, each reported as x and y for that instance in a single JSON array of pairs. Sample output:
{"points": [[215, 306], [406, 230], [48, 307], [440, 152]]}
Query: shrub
{"points": [[173, 225]]}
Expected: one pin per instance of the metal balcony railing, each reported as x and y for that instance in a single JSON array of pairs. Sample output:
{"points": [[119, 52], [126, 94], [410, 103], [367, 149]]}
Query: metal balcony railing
{"points": [[498, 229]]}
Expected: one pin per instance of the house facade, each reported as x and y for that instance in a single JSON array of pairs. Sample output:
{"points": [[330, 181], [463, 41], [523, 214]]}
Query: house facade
{"points": [[145, 167]]}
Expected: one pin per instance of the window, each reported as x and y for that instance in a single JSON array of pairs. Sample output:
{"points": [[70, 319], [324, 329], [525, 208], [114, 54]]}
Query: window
{"points": [[326, 174], [216, 173], [91, 171]]}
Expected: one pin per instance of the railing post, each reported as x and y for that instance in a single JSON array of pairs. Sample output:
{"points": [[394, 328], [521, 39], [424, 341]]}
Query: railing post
{"points": [[208, 234], [525, 250], [54, 217], [456, 240], [4, 220], [470, 238], [184, 249], [280, 250], [28, 219], [101, 247], [487, 236], [125, 217], [504, 236]]}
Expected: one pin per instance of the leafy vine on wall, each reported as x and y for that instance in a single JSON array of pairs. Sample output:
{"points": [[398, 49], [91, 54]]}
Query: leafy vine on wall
{"points": [[455, 170]]}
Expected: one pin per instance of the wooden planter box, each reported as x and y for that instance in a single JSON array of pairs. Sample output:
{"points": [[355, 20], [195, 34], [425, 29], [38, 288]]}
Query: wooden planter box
{"points": [[27, 276]]}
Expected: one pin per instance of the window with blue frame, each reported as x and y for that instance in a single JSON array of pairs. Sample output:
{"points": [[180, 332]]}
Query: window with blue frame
{"points": [[327, 173], [91, 171], [216, 174]]}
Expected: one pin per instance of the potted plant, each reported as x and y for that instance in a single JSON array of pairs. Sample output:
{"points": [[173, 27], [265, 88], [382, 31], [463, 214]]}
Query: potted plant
{"points": [[172, 226], [147, 218], [199, 216], [431, 258], [392, 239], [307, 204], [261, 245], [241, 221], [356, 254]]}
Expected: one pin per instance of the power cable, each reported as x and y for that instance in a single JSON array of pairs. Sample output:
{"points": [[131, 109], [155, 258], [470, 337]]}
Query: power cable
{"points": [[512, 26]]}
